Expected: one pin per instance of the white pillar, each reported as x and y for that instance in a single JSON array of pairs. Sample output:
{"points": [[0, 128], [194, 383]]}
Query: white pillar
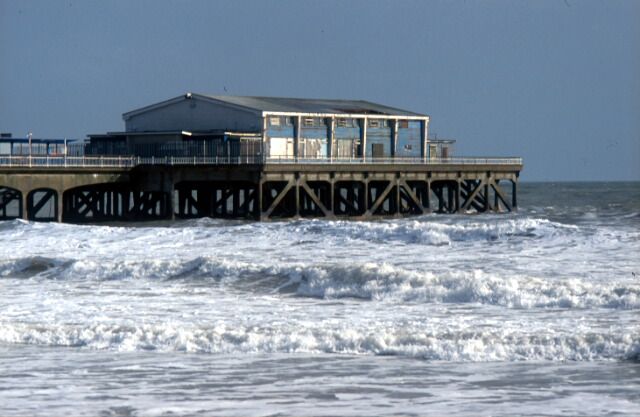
{"points": [[363, 138]]}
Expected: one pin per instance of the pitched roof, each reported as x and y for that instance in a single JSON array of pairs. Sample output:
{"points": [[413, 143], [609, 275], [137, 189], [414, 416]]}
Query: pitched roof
{"points": [[290, 105], [309, 105]]}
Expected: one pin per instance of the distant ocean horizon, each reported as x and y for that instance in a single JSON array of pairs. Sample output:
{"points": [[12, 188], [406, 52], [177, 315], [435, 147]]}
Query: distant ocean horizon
{"points": [[529, 313]]}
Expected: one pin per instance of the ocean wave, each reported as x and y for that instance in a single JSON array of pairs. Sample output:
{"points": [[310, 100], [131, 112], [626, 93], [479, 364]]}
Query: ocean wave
{"points": [[368, 281], [426, 230], [386, 282], [431, 230], [32, 266], [223, 338]]}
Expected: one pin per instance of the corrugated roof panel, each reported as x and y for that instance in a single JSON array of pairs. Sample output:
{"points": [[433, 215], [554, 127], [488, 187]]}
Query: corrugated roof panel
{"points": [[305, 105]]}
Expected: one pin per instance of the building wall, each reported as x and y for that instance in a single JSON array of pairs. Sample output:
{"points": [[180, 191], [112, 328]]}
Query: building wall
{"points": [[280, 136], [347, 139], [379, 135], [409, 139], [194, 115], [314, 137]]}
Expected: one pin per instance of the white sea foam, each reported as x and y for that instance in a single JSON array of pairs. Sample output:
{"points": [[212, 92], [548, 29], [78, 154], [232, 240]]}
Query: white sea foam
{"points": [[369, 281], [302, 306], [466, 345], [427, 231], [379, 282]]}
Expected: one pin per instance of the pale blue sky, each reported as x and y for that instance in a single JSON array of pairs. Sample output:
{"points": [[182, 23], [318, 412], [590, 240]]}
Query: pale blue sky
{"points": [[554, 81]]}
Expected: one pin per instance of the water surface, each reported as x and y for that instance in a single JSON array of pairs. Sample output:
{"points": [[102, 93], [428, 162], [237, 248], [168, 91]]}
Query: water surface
{"points": [[534, 313]]}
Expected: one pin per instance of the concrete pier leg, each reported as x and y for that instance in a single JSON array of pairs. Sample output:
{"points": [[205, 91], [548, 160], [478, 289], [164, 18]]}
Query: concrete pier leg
{"points": [[487, 200], [458, 195], [259, 201], [332, 185], [60, 206], [366, 195], [297, 202], [25, 205], [398, 201], [451, 199]]}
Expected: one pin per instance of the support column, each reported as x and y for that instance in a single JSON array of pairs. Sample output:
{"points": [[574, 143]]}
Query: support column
{"points": [[423, 143], [297, 193], [330, 137], [394, 139], [263, 145], [167, 188], [487, 201], [296, 139], [363, 138], [514, 200], [259, 198], [365, 181], [451, 197], [60, 205], [25, 205], [458, 207], [332, 193], [397, 196]]}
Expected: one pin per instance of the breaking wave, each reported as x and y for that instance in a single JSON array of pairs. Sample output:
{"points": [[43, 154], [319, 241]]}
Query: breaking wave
{"points": [[368, 281], [426, 230], [464, 345]]}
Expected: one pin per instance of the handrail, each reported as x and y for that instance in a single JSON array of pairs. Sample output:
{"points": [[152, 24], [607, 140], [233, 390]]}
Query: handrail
{"points": [[133, 161], [400, 161]]}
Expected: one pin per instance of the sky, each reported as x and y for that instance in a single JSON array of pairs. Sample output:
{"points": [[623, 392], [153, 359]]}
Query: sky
{"points": [[554, 81]]}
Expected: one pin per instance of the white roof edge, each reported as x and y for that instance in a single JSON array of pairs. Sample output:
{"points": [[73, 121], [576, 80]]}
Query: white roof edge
{"points": [[186, 96], [346, 116], [263, 113]]}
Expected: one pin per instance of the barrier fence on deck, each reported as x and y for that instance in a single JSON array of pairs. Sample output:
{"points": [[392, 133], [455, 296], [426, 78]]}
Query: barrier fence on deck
{"points": [[133, 161]]}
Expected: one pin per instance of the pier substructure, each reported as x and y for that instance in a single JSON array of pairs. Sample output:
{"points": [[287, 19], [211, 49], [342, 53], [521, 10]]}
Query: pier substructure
{"points": [[10, 203], [114, 202], [365, 192], [220, 199], [260, 192]]}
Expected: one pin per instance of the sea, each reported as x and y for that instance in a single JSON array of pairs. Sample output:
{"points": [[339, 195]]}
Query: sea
{"points": [[532, 313]]}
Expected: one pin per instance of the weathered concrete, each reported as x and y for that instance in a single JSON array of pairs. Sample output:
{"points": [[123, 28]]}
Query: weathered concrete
{"points": [[28, 180], [355, 191]]}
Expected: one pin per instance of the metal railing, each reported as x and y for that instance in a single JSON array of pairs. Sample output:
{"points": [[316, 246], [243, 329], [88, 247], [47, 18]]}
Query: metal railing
{"points": [[132, 161], [68, 161], [400, 161]]}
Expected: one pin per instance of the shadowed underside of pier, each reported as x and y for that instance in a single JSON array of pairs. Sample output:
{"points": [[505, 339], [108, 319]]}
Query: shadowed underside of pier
{"points": [[260, 192]]}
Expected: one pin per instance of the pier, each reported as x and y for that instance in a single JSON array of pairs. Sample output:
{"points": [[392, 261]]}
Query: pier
{"points": [[260, 158], [94, 189]]}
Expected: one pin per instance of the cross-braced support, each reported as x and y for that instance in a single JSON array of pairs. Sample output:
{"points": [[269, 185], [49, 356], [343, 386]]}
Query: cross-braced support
{"points": [[42, 205], [218, 199], [10, 203]]}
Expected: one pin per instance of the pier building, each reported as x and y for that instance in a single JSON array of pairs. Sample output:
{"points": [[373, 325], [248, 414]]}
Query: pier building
{"points": [[262, 158]]}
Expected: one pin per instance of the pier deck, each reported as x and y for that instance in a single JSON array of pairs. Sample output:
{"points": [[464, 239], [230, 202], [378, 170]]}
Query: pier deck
{"points": [[97, 189]]}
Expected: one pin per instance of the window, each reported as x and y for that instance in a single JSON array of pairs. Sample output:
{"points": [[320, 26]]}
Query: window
{"points": [[403, 124], [274, 121], [308, 121], [384, 123], [289, 121], [346, 123], [374, 123]]}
